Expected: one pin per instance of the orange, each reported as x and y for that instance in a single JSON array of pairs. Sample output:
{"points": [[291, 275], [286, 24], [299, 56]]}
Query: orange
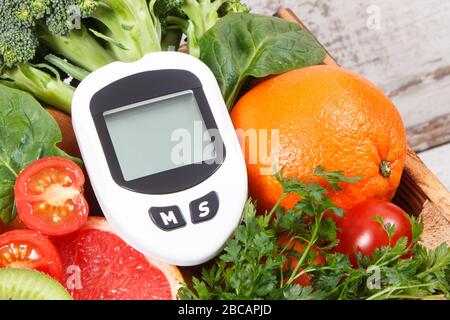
{"points": [[325, 116]]}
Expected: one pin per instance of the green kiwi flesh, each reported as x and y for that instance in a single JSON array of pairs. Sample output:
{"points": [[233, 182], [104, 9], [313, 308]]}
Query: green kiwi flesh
{"points": [[24, 284]]}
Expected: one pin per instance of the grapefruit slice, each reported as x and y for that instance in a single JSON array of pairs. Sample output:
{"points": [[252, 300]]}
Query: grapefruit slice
{"points": [[101, 266]]}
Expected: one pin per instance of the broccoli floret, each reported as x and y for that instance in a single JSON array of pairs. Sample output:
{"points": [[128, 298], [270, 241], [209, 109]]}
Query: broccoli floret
{"points": [[233, 6], [171, 36], [24, 12], [196, 17], [66, 15], [166, 8], [18, 46]]}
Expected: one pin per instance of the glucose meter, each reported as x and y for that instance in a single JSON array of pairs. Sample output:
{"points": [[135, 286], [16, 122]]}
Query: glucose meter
{"points": [[162, 155]]}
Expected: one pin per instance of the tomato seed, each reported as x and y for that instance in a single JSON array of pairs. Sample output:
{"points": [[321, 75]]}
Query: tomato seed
{"points": [[7, 257], [67, 181], [56, 218], [23, 249]]}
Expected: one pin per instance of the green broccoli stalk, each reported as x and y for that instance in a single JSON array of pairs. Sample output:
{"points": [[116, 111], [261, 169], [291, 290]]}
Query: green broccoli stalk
{"points": [[130, 27], [78, 46], [196, 17], [72, 70], [45, 87]]}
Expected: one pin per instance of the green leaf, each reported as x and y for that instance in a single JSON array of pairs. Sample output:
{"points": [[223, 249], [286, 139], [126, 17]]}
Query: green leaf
{"points": [[27, 133], [417, 228], [334, 178], [242, 45], [328, 233], [297, 292]]}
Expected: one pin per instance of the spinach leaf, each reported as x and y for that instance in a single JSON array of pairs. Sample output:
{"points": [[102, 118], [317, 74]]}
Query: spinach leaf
{"points": [[242, 45], [27, 133]]}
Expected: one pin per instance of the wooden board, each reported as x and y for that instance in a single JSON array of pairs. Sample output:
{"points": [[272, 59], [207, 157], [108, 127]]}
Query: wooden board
{"points": [[420, 192], [430, 134]]}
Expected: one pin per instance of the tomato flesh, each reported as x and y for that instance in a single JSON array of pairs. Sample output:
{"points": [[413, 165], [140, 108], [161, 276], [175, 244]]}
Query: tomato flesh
{"points": [[49, 196], [26, 249], [361, 233], [18, 255]]}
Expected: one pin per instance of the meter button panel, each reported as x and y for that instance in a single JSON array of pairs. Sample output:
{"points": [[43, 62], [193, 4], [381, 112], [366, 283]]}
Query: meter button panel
{"points": [[167, 218], [205, 208]]}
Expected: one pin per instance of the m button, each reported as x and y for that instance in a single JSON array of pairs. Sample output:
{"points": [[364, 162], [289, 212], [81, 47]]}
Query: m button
{"points": [[205, 208], [167, 218]]}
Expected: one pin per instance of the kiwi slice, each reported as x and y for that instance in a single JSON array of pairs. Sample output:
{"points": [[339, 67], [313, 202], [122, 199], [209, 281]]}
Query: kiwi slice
{"points": [[23, 284]]}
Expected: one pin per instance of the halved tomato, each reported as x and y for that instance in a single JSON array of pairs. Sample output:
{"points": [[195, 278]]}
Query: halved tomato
{"points": [[49, 196], [27, 249]]}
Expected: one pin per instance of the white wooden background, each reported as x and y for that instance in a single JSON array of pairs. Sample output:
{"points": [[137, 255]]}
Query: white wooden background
{"points": [[403, 46]]}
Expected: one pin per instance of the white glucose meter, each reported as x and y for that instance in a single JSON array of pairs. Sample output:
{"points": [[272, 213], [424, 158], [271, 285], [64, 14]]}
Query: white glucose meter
{"points": [[162, 156]]}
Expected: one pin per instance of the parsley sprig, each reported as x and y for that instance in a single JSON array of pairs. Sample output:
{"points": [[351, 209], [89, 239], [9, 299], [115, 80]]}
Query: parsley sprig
{"points": [[254, 264]]}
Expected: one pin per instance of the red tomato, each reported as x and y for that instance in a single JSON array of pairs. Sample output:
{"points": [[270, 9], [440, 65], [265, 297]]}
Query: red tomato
{"points": [[361, 233], [49, 196], [305, 279], [26, 249]]}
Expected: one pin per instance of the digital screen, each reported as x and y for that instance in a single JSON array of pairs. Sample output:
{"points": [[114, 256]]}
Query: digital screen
{"points": [[159, 135]]}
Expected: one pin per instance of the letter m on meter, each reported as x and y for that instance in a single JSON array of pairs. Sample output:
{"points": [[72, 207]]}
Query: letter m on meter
{"points": [[167, 218]]}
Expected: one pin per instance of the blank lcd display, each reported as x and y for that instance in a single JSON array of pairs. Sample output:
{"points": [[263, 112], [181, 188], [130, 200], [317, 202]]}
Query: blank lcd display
{"points": [[159, 135]]}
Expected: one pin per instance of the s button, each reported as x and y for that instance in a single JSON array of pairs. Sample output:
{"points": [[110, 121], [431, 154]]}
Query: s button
{"points": [[205, 208]]}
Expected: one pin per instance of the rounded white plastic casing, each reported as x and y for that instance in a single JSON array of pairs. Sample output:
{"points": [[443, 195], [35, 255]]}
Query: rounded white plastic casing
{"points": [[128, 211]]}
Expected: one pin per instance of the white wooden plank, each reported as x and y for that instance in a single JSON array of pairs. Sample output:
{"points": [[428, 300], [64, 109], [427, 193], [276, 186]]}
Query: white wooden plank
{"points": [[407, 57], [430, 134]]}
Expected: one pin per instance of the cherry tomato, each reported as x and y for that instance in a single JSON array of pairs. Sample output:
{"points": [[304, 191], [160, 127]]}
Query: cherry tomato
{"points": [[305, 279], [49, 196], [27, 249], [361, 233]]}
